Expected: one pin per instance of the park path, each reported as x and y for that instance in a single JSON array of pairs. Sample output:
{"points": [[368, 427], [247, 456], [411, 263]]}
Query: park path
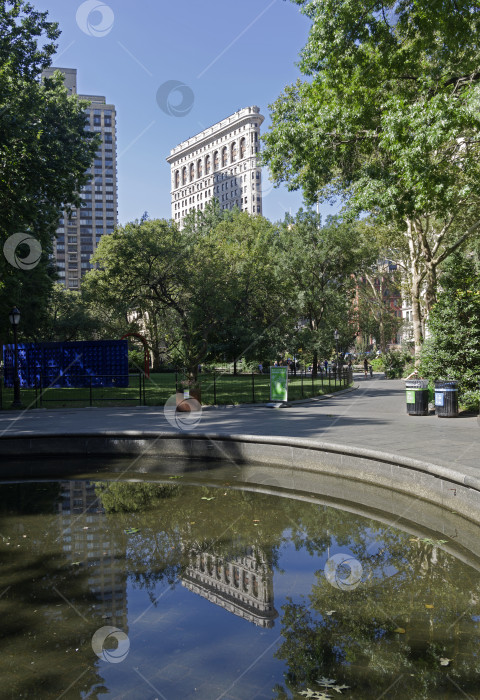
{"points": [[371, 416]]}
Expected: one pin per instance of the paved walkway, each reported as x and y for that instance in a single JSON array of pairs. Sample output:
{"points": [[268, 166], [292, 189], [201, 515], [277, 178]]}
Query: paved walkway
{"points": [[371, 416]]}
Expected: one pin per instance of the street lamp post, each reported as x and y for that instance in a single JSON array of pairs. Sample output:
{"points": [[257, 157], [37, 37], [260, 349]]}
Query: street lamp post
{"points": [[335, 335], [297, 331], [14, 318]]}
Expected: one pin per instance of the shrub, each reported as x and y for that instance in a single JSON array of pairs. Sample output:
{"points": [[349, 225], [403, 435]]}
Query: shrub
{"points": [[136, 360], [453, 350]]}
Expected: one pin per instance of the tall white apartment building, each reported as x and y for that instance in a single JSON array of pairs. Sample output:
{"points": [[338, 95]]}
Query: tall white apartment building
{"points": [[78, 235], [220, 162]]}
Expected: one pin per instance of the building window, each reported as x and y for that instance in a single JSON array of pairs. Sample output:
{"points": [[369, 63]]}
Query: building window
{"points": [[233, 152], [224, 156], [184, 176], [177, 179], [207, 165], [199, 168], [243, 147], [192, 172]]}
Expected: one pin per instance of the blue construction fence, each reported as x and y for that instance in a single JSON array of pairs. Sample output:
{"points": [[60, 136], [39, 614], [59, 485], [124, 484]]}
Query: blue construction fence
{"points": [[75, 364]]}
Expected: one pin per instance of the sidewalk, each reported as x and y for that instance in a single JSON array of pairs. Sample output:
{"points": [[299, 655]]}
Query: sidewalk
{"points": [[371, 416]]}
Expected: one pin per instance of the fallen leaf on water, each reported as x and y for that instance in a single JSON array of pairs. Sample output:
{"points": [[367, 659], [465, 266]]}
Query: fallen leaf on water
{"points": [[131, 530], [208, 498], [430, 607], [399, 630], [329, 612], [444, 661]]}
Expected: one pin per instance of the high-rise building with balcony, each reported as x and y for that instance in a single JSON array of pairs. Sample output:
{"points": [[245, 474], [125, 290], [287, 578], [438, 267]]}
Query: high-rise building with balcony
{"points": [[220, 162], [78, 235]]}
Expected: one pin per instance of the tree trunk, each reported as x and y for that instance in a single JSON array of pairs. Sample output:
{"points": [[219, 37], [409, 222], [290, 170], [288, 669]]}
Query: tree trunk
{"points": [[381, 328], [416, 279], [235, 366], [156, 358], [417, 319], [430, 288], [315, 364]]}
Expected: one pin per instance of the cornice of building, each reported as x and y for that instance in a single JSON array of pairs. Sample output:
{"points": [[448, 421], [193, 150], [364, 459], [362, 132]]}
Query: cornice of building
{"points": [[214, 131]]}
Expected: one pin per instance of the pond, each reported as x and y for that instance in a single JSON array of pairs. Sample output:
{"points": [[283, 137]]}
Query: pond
{"points": [[191, 586]]}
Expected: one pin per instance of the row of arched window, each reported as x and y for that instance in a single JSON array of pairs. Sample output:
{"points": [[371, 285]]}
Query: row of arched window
{"points": [[222, 572], [197, 169]]}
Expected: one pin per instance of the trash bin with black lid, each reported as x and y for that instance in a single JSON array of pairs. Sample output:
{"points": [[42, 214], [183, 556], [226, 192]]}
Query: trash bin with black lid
{"points": [[446, 398], [417, 397]]}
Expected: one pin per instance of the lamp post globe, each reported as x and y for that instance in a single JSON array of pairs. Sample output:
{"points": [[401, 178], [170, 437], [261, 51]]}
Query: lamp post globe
{"points": [[14, 318]]}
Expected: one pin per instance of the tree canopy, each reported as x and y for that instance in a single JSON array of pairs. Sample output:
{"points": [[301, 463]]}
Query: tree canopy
{"points": [[388, 120], [44, 153], [211, 289], [320, 262]]}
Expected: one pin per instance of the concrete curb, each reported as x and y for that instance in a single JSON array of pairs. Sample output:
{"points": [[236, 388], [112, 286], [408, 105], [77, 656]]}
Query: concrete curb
{"points": [[441, 485], [133, 436]]}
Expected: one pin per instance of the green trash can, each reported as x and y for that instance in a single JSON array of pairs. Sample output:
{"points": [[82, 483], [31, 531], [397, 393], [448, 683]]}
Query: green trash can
{"points": [[446, 398], [417, 397]]}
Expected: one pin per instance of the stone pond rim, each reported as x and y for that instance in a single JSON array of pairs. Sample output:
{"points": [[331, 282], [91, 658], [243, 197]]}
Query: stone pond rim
{"points": [[448, 487]]}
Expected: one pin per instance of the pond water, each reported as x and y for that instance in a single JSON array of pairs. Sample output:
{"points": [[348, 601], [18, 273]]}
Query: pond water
{"points": [[173, 590]]}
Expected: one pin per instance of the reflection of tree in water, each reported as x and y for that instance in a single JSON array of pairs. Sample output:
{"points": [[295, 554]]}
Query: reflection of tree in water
{"points": [[176, 522], [407, 616], [160, 527]]}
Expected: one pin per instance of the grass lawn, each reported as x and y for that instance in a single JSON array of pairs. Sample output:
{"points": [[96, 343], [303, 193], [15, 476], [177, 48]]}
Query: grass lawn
{"points": [[219, 389]]}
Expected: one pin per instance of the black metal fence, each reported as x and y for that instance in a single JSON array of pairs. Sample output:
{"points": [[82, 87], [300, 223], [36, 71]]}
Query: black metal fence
{"points": [[219, 388], [215, 388], [97, 389]]}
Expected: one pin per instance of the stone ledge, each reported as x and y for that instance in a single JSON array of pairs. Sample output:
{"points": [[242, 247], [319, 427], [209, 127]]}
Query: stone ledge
{"points": [[437, 484]]}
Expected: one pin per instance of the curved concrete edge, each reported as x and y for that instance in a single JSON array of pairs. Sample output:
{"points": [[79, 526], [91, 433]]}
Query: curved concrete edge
{"points": [[443, 486], [87, 443]]}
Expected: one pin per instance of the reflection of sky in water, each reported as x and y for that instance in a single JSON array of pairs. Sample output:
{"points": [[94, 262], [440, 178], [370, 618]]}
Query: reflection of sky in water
{"points": [[186, 644], [188, 638]]}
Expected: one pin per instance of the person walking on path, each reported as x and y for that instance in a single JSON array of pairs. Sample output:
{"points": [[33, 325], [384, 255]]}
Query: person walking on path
{"points": [[365, 367]]}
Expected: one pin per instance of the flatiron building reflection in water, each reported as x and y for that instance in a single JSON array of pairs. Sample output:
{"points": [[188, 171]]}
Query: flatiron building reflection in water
{"points": [[243, 585]]}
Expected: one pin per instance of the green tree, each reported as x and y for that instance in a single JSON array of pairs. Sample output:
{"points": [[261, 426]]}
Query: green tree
{"points": [[69, 317], [389, 121], [44, 153], [207, 287], [453, 350], [256, 293], [376, 318], [321, 263]]}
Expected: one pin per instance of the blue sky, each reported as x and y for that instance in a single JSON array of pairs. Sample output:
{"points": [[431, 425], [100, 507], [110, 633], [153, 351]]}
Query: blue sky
{"points": [[231, 54]]}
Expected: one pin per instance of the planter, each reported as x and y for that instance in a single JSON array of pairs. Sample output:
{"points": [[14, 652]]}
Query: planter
{"points": [[184, 403], [181, 402], [196, 394]]}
